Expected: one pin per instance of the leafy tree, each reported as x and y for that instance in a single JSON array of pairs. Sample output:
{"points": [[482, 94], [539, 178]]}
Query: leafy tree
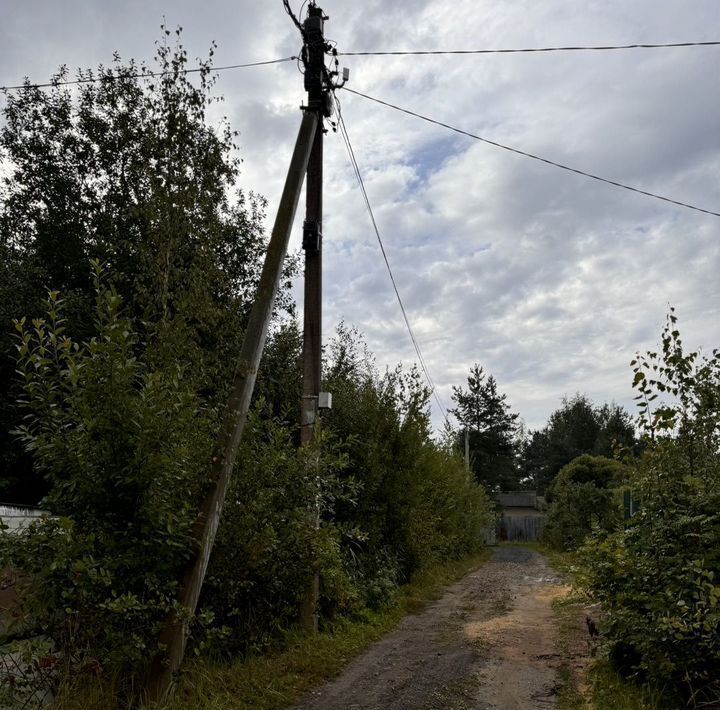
{"points": [[658, 578], [492, 428], [581, 498], [578, 427], [126, 170]]}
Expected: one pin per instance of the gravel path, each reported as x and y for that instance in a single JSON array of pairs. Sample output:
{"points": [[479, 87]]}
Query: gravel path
{"points": [[488, 643]]}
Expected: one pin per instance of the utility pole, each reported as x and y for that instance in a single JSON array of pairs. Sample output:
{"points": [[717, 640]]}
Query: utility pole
{"points": [[320, 103]]}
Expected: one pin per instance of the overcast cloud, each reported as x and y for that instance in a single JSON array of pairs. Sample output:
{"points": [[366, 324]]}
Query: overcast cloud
{"points": [[550, 280]]}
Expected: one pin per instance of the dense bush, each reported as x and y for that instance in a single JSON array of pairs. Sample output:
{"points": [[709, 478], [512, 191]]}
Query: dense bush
{"points": [[391, 502], [582, 497], [659, 578], [122, 449], [268, 546], [417, 503]]}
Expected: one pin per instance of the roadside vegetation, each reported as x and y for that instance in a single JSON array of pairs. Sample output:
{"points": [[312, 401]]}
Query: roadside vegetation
{"points": [[595, 683], [655, 574], [129, 258]]}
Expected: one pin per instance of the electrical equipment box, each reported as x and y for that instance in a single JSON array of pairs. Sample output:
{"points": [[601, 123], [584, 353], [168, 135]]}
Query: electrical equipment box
{"points": [[311, 235], [325, 400]]}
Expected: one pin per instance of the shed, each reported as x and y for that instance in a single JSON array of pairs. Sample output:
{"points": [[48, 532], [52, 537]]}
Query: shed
{"points": [[523, 516]]}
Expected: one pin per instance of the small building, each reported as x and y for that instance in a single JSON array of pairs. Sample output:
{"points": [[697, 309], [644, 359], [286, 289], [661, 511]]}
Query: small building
{"points": [[523, 516]]}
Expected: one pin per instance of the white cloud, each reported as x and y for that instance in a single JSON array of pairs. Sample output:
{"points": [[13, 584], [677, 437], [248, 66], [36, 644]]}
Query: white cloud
{"points": [[550, 280]]}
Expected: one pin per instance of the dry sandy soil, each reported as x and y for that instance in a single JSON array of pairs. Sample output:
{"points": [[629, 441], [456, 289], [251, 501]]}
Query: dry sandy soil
{"points": [[489, 642]]}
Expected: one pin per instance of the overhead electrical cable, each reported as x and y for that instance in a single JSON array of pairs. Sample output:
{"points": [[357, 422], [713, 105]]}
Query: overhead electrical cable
{"points": [[143, 75], [293, 17], [297, 23], [603, 48], [356, 169], [533, 156]]}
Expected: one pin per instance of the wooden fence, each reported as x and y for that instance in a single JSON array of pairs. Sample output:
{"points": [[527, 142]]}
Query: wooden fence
{"points": [[521, 528]]}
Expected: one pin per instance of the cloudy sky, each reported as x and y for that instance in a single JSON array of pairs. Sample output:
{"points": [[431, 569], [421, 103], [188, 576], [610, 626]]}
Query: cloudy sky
{"points": [[550, 280]]}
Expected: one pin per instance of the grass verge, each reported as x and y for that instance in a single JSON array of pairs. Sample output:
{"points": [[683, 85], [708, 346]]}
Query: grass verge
{"points": [[570, 645], [277, 680], [610, 692], [588, 682]]}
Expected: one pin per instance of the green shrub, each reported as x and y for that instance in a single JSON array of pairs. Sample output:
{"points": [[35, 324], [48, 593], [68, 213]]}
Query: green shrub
{"points": [[581, 498], [268, 545], [123, 449], [416, 502], [658, 579]]}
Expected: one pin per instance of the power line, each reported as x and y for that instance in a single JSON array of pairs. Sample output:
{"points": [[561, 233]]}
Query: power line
{"points": [[296, 22], [416, 345], [535, 157], [353, 161], [529, 49], [143, 75]]}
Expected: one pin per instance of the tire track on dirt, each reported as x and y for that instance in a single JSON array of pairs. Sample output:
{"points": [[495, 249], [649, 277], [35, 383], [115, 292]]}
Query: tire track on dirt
{"points": [[488, 643]]}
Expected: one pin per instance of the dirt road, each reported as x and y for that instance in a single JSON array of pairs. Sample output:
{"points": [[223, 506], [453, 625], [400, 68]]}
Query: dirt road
{"points": [[489, 642]]}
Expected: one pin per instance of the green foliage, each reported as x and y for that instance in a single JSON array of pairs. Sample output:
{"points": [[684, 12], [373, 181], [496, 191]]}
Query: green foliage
{"points": [[391, 501], [578, 427], [120, 389], [416, 502], [268, 544], [127, 170], [581, 500], [658, 578], [492, 431], [122, 449], [598, 471]]}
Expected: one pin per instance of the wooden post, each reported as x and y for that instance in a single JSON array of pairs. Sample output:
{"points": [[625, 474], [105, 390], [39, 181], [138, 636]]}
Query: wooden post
{"points": [[315, 83], [312, 342], [174, 636]]}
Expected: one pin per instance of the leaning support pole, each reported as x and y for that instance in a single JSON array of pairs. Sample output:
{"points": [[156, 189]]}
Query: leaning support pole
{"points": [[173, 638]]}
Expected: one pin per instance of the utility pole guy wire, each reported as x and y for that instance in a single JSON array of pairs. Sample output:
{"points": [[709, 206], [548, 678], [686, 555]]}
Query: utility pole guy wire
{"points": [[361, 183]]}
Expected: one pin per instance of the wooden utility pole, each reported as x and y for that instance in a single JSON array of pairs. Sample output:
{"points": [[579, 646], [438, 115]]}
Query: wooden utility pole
{"points": [[174, 636], [319, 101]]}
